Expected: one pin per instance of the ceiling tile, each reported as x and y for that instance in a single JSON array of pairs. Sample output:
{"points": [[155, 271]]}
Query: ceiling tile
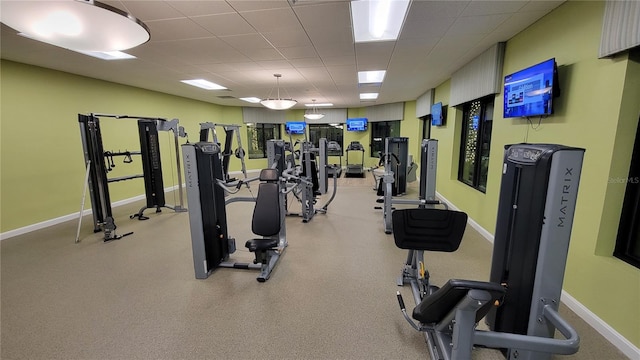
{"points": [[318, 15], [157, 11], [252, 5], [224, 24], [176, 29], [287, 38], [298, 52], [471, 25], [273, 20], [493, 7], [199, 7]]}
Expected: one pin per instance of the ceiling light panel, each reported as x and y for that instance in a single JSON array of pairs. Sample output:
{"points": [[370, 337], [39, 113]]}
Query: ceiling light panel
{"points": [[368, 96], [371, 77], [377, 20], [253, 100], [108, 55], [204, 84], [319, 105]]}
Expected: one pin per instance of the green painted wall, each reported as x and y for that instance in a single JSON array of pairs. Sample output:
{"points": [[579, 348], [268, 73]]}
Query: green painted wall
{"points": [[598, 110], [42, 169], [41, 151]]}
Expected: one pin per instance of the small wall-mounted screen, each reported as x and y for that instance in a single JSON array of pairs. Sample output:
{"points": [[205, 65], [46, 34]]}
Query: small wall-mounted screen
{"points": [[357, 124], [437, 118], [295, 127]]}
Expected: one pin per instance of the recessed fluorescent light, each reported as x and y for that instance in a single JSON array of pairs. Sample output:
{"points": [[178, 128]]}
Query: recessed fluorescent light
{"points": [[204, 84], [319, 105], [368, 96], [108, 55], [371, 77], [377, 20], [254, 100]]}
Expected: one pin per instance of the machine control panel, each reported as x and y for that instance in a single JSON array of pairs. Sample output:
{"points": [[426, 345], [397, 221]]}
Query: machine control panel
{"points": [[209, 148], [524, 154]]}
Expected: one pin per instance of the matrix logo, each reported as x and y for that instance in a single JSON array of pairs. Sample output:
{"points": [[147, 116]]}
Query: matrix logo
{"points": [[188, 173], [567, 195]]}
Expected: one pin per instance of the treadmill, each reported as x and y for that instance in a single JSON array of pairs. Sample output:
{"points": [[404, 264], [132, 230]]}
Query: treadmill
{"points": [[355, 170]]}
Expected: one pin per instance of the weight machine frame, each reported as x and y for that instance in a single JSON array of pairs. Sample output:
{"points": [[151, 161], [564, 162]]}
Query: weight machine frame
{"points": [[98, 182]]}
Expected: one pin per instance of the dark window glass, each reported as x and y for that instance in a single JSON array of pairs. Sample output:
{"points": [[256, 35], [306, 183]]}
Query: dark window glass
{"points": [[381, 130], [327, 131], [258, 134]]}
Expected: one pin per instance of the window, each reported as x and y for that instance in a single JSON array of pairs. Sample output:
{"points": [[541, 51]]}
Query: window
{"points": [[381, 130], [628, 240], [426, 126], [476, 141], [329, 132], [258, 134]]}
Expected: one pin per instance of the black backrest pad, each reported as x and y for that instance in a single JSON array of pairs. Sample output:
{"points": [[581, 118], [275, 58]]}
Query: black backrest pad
{"points": [[436, 306], [266, 213], [428, 229], [269, 175]]}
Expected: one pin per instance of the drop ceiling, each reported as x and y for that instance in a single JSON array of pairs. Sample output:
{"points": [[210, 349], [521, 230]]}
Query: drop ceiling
{"points": [[240, 44]]}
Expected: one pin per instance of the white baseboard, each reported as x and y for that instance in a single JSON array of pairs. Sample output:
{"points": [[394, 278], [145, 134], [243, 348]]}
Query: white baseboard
{"points": [[609, 333], [44, 224], [487, 235]]}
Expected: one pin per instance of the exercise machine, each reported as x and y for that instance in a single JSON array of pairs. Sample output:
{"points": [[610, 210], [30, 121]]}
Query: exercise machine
{"points": [[207, 128], [307, 180], [334, 149], [206, 189], [99, 162], [427, 189], [355, 169], [535, 215]]}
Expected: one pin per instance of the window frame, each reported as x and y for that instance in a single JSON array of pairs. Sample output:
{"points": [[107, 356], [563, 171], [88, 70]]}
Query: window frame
{"points": [[389, 127], [629, 226], [479, 174]]}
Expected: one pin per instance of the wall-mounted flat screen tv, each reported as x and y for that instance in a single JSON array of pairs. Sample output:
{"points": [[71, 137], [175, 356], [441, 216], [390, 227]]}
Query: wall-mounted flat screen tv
{"points": [[530, 91], [357, 124], [437, 118], [295, 127]]}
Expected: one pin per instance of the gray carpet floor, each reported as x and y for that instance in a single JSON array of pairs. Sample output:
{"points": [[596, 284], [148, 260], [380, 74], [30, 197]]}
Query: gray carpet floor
{"points": [[332, 295]]}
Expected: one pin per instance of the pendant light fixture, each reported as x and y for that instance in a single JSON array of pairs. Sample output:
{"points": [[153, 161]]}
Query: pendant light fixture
{"points": [[314, 114], [278, 103], [78, 25]]}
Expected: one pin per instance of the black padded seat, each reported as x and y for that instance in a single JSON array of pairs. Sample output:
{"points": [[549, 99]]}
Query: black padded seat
{"points": [[428, 229], [436, 306], [266, 219], [261, 244]]}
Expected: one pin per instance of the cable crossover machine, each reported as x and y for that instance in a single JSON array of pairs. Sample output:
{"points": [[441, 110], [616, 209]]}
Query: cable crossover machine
{"points": [[99, 162]]}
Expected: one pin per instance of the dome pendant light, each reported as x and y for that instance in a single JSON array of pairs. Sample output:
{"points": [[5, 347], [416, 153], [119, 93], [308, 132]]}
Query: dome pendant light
{"points": [[86, 25], [278, 104], [314, 114]]}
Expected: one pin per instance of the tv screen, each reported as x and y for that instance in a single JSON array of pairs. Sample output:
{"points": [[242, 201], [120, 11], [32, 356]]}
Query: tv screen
{"points": [[436, 115], [357, 124], [295, 127], [530, 91]]}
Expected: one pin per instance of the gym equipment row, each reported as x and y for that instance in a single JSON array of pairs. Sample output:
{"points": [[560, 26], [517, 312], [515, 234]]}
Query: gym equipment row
{"points": [[206, 191], [99, 162], [307, 180], [535, 214]]}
